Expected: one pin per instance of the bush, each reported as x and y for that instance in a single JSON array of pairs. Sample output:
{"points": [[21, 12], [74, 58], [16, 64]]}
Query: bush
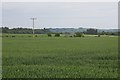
{"points": [[6, 36], [13, 36], [98, 35], [49, 35], [83, 35], [29, 36], [35, 35], [78, 34], [57, 35]]}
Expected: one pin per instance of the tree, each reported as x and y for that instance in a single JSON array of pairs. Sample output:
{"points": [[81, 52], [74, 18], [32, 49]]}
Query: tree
{"points": [[24, 30], [5, 29], [91, 31]]}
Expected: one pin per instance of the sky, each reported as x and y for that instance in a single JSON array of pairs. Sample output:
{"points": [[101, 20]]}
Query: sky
{"points": [[100, 15], [60, 0]]}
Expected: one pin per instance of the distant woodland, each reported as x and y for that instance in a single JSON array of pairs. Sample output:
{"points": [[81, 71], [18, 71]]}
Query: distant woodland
{"points": [[46, 31]]}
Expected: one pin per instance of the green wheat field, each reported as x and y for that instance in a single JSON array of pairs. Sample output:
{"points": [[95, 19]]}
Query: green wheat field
{"points": [[59, 57]]}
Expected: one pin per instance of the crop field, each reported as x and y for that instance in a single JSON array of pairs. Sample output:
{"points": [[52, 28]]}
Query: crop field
{"points": [[59, 57]]}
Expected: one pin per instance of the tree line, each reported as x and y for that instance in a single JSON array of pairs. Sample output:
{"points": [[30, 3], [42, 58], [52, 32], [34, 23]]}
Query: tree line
{"points": [[47, 31], [24, 31]]}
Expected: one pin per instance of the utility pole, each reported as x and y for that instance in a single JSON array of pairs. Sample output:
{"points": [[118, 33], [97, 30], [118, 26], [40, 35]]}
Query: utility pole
{"points": [[33, 25]]}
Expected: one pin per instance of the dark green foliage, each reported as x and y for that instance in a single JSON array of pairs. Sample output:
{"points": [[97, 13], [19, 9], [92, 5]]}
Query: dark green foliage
{"points": [[49, 35], [110, 33], [45, 31], [78, 34], [35, 35], [57, 34], [5, 30], [83, 35], [98, 35], [6, 36], [29, 36], [13, 36], [24, 31], [91, 31]]}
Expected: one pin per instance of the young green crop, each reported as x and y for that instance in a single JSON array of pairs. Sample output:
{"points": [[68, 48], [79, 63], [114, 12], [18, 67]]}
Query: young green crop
{"points": [[60, 57]]}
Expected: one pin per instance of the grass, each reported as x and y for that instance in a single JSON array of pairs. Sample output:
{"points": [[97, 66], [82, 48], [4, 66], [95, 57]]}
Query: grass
{"points": [[60, 57], [0, 57]]}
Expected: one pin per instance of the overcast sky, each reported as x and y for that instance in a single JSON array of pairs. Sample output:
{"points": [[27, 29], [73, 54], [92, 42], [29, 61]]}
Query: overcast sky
{"points": [[60, 14]]}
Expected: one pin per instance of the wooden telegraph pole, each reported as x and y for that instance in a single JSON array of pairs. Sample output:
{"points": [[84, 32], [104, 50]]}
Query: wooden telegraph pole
{"points": [[33, 19]]}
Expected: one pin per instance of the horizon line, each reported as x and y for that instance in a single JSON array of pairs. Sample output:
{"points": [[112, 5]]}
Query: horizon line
{"points": [[59, 27]]}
